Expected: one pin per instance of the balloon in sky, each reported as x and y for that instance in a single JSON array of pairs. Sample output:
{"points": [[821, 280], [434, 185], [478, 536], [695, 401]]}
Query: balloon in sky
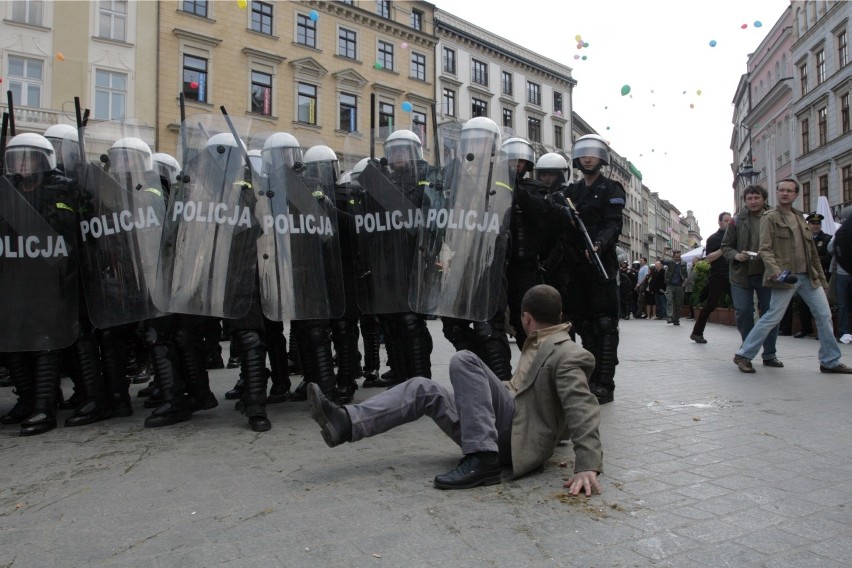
{"points": [[584, 57], [698, 92], [758, 23], [576, 57], [691, 105], [578, 37], [406, 106], [313, 15], [744, 26], [580, 45], [625, 90], [59, 56], [585, 44], [712, 43], [242, 4]]}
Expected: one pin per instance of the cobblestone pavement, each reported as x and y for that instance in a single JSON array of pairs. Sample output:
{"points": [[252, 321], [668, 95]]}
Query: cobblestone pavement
{"points": [[705, 466]]}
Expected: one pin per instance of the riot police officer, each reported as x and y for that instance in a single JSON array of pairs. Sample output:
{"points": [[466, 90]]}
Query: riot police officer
{"points": [[592, 303]]}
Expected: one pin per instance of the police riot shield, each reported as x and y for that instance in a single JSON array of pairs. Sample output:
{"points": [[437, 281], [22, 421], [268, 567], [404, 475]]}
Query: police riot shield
{"points": [[385, 199], [462, 244], [38, 265], [207, 263], [299, 262], [122, 209]]}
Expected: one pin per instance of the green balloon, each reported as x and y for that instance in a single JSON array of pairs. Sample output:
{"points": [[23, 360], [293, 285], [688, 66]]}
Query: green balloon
{"points": [[625, 90]]}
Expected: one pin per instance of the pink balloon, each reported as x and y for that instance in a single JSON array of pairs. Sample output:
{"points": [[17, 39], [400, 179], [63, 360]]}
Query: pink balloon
{"points": [[744, 26]]}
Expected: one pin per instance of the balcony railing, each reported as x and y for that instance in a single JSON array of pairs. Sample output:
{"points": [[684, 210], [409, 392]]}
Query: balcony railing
{"points": [[29, 119]]}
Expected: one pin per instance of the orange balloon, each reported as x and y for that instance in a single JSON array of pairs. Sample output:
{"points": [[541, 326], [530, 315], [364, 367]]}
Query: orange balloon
{"points": [[59, 56]]}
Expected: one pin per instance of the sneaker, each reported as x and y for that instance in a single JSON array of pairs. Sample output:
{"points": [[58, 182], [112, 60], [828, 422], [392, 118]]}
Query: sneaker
{"points": [[697, 338], [744, 364]]}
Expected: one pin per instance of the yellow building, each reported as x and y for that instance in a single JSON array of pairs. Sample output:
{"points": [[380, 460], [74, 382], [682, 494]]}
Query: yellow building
{"points": [[315, 69]]}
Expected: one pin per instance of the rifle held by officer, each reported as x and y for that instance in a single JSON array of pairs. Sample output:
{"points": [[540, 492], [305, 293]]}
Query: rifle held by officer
{"points": [[571, 211]]}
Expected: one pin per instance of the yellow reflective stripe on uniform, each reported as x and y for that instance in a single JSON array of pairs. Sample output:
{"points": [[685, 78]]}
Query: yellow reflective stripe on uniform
{"points": [[424, 182], [317, 194], [60, 205], [244, 184], [501, 184], [154, 190]]}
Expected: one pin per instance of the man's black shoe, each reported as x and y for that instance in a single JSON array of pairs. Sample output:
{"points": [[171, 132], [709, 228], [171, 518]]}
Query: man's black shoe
{"points": [[333, 420], [215, 362], [169, 413], [785, 333], [773, 363], [300, 393], [260, 423], [89, 412], [278, 393], [697, 338], [801, 334], [841, 368], [236, 392], [479, 468], [371, 379], [603, 394]]}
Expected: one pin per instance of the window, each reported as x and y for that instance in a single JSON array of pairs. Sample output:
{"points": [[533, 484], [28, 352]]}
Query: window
{"points": [[348, 112], [557, 103], [25, 80], [823, 186], [533, 93], [110, 95], [449, 102], [846, 181], [28, 11], [417, 20], [347, 42], [480, 72], [112, 19], [418, 66], [820, 66], [385, 119], [806, 144], [383, 8], [449, 61], [844, 113], [478, 107], [418, 125], [386, 55], [557, 136], [507, 118], [306, 31], [806, 195], [195, 78], [307, 112], [196, 7], [842, 50], [803, 78], [822, 126], [506, 83], [261, 93], [534, 129], [261, 18]]}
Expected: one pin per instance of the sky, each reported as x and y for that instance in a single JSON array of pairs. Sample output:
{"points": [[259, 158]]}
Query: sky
{"points": [[675, 124]]}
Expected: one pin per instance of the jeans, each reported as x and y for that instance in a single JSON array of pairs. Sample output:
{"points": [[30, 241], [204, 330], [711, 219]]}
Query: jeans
{"points": [[743, 299], [829, 351], [674, 302], [841, 288]]}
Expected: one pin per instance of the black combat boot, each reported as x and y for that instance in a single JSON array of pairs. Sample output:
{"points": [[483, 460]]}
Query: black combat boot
{"points": [[193, 366], [95, 405], [344, 335], [21, 372], [255, 375], [176, 406], [372, 363], [46, 383], [276, 347]]}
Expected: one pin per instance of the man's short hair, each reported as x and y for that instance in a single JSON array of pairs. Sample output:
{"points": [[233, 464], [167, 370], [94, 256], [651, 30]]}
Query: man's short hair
{"points": [[722, 215], [543, 303], [791, 180], [755, 189]]}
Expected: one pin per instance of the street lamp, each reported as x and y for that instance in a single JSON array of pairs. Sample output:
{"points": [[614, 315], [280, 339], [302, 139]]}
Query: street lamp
{"points": [[748, 174]]}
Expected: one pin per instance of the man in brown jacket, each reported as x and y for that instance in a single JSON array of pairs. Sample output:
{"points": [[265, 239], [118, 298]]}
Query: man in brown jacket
{"points": [[791, 265], [518, 422]]}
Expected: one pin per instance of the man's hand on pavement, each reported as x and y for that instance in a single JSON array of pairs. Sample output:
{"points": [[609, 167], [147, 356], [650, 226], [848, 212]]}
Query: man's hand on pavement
{"points": [[586, 481]]}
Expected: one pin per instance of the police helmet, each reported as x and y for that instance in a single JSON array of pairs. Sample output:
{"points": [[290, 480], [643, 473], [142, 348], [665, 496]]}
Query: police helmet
{"points": [[167, 166], [65, 142], [281, 150], [403, 146], [321, 162], [130, 155], [553, 163], [519, 149], [479, 136], [256, 160], [590, 145], [29, 153]]}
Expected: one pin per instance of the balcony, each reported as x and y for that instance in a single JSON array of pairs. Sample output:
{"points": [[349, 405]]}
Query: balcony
{"points": [[28, 119]]}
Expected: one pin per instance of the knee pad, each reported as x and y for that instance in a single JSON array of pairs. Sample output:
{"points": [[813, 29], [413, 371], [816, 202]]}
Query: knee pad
{"points": [[248, 339]]}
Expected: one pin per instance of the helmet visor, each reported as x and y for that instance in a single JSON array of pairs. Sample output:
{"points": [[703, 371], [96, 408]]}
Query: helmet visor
{"points": [[26, 160]]}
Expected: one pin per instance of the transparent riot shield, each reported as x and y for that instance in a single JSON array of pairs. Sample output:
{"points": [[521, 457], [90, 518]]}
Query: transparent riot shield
{"points": [[299, 260], [460, 258], [207, 263], [38, 265], [122, 210], [386, 195]]}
